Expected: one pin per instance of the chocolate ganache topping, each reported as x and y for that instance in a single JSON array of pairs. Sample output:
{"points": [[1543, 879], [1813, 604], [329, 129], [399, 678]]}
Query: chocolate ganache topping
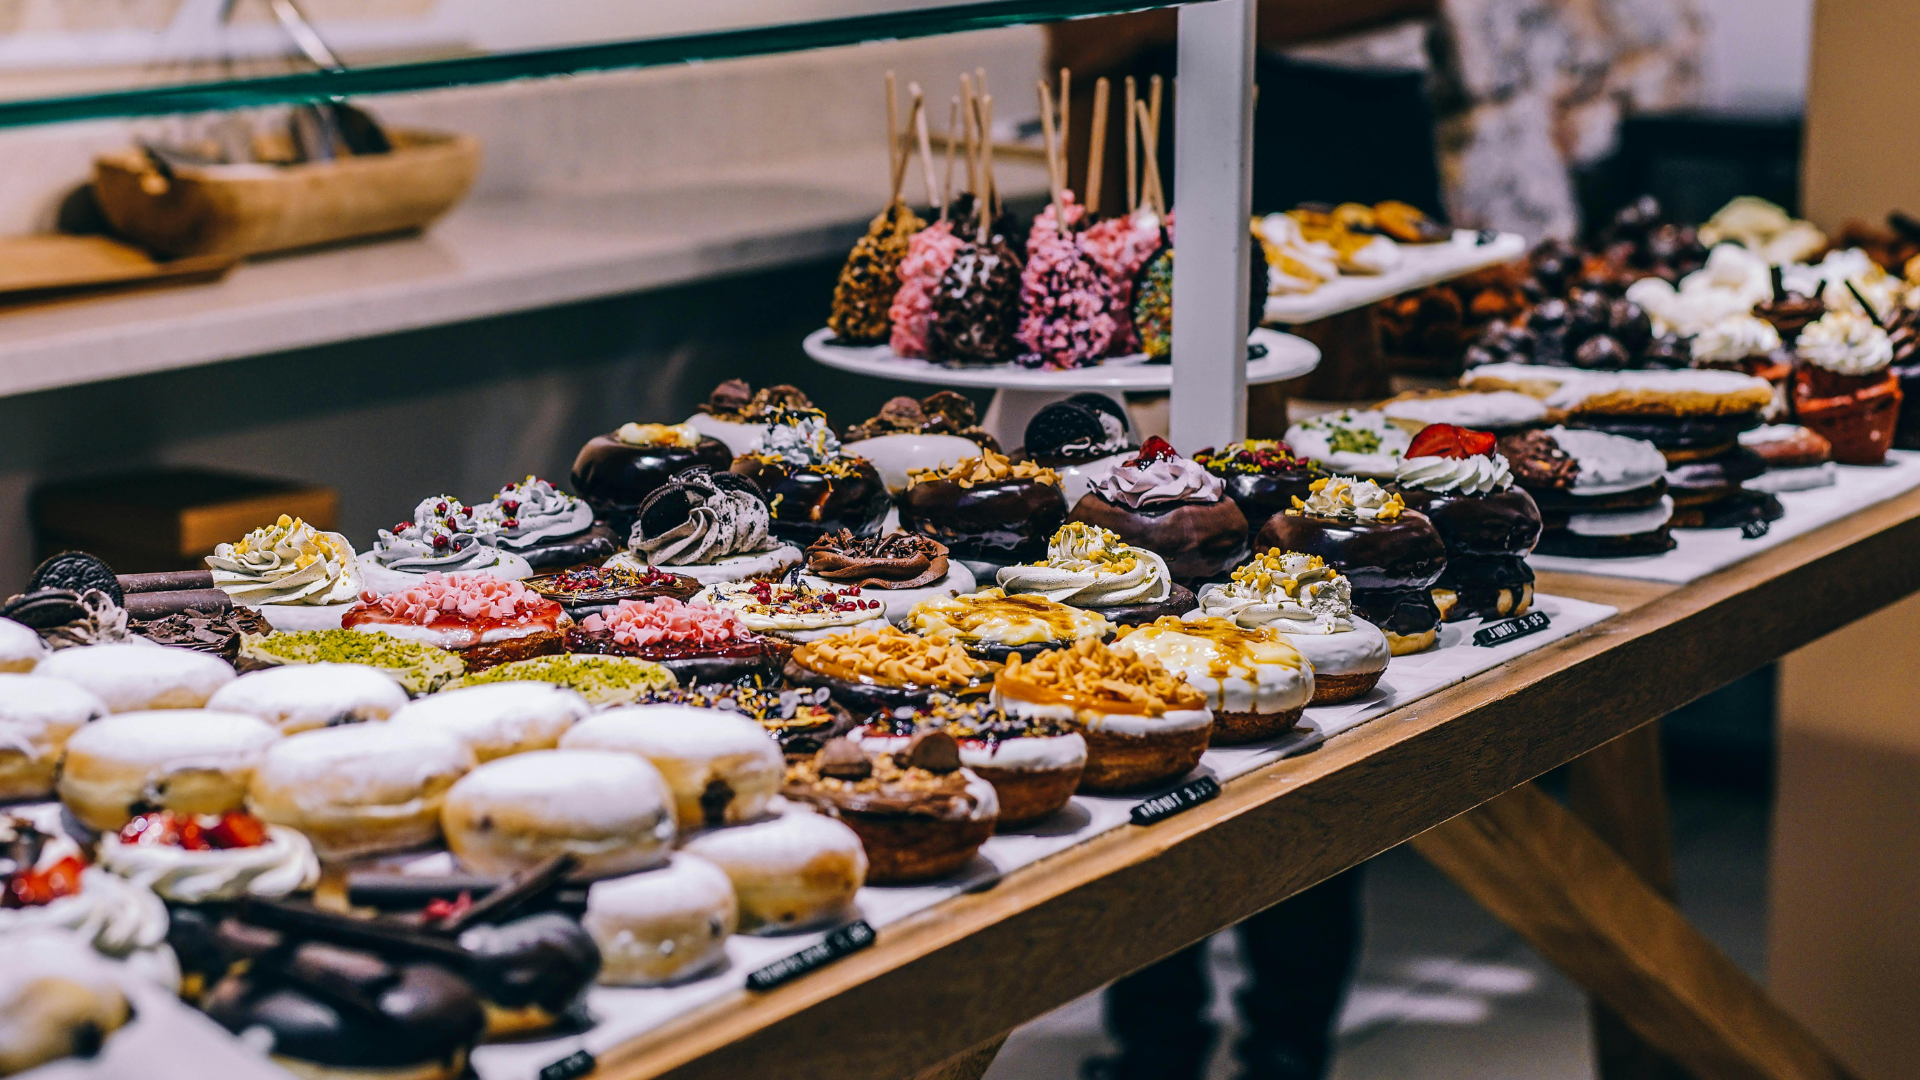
{"points": [[895, 561], [702, 516], [1538, 462]]}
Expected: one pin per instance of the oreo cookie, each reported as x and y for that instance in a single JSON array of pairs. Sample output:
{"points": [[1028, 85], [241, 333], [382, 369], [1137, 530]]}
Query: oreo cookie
{"points": [[44, 609], [668, 506], [1081, 428], [79, 572]]}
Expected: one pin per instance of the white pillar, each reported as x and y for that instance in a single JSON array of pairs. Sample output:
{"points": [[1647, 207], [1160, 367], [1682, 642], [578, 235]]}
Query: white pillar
{"points": [[1213, 181]]}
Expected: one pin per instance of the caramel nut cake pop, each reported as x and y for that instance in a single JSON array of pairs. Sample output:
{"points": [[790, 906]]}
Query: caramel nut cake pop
{"points": [[864, 294]]}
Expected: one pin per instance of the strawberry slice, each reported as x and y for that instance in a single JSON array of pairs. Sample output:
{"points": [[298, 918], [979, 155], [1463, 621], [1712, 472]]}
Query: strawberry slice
{"points": [[1154, 449], [1449, 441], [34, 888], [237, 830]]}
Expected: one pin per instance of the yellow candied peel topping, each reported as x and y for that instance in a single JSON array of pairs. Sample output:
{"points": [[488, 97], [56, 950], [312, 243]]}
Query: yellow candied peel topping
{"points": [[682, 435], [1227, 647], [985, 469], [892, 657], [993, 616], [1282, 571], [316, 544], [1346, 497], [1089, 675]]}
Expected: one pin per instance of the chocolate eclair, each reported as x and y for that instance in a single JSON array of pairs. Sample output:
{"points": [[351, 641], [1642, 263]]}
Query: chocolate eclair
{"points": [[881, 669], [987, 509], [898, 570], [1489, 525], [616, 472], [920, 814], [1392, 555], [1262, 476], [813, 485], [1172, 506]]}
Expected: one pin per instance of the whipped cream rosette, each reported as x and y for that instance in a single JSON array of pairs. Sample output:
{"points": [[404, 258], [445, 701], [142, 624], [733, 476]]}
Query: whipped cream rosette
{"points": [[445, 536], [545, 525], [49, 886], [202, 858], [1312, 603], [709, 526], [1392, 555], [1091, 567], [288, 565], [1845, 387]]}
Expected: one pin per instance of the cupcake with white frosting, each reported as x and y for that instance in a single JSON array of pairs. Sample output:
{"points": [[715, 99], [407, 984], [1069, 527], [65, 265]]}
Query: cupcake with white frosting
{"points": [[1312, 604], [445, 536], [709, 526], [1845, 387], [1091, 567], [296, 576], [1172, 506]]}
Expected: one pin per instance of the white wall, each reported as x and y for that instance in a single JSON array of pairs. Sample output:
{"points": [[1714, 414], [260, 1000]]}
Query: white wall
{"points": [[1757, 53]]}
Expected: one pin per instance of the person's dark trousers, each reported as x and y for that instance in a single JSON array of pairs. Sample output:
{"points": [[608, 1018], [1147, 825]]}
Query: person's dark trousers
{"points": [[1299, 953]]}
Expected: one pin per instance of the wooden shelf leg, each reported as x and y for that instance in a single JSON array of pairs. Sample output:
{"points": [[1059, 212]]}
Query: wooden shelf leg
{"points": [[1619, 790], [967, 1065], [1545, 873]]}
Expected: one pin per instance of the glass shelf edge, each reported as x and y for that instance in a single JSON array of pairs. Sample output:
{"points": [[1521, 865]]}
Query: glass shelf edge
{"points": [[546, 63]]}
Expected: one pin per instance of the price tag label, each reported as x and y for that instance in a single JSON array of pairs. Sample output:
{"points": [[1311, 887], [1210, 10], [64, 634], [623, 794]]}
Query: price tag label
{"points": [[1531, 623], [572, 1067], [1754, 530], [1185, 797], [847, 939]]}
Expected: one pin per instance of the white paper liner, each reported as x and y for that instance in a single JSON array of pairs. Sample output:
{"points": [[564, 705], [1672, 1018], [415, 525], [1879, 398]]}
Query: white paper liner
{"points": [[1699, 552], [626, 1013]]}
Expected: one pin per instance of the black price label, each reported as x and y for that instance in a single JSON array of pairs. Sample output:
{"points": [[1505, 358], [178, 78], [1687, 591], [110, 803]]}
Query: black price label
{"points": [[1184, 797], [1530, 623], [572, 1067], [848, 939], [1754, 530]]}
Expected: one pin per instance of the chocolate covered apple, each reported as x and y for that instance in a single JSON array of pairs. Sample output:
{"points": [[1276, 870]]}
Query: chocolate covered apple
{"points": [[1172, 506]]}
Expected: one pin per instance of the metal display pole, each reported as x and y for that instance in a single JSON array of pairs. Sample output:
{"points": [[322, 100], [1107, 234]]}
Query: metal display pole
{"points": [[1213, 181]]}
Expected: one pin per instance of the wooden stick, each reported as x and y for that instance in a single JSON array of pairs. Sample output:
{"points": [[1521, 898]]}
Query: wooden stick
{"points": [[1053, 150], [893, 133], [1154, 86], [953, 133], [1066, 90], [986, 168], [969, 111], [926, 147], [1097, 146], [1133, 140], [1149, 147]]}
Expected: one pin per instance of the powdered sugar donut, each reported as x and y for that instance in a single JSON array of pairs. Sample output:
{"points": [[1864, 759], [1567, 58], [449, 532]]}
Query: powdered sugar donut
{"points": [[362, 788], [795, 871], [136, 676], [497, 719], [721, 767], [20, 647], [302, 697], [37, 717], [611, 811], [191, 761], [661, 925]]}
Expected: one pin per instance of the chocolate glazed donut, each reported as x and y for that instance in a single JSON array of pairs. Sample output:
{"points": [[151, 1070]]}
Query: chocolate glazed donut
{"points": [[1488, 537], [1198, 540], [999, 521], [1262, 495], [615, 477], [1392, 565], [807, 505]]}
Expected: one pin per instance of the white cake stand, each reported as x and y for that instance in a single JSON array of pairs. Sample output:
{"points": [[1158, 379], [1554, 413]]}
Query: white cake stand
{"points": [[1021, 392]]}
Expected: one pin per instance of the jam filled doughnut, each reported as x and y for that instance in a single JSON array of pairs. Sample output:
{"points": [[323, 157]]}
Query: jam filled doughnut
{"points": [[721, 767], [37, 717], [498, 719], [303, 697], [612, 812], [360, 789], [663, 925], [189, 760], [135, 676], [20, 647], [796, 871]]}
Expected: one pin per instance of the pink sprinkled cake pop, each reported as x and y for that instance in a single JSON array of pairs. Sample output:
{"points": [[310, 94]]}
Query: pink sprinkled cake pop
{"points": [[1066, 299], [929, 253]]}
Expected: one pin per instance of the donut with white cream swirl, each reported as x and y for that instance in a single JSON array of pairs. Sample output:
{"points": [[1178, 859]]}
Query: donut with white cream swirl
{"points": [[288, 562]]}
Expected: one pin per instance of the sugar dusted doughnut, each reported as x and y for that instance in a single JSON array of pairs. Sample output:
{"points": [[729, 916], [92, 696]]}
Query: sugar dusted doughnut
{"points": [[497, 719], [37, 717], [57, 1000], [193, 761], [611, 811], [302, 697], [135, 676], [20, 647], [791, 872], [721, 767], [362, 788], [661, 925]]}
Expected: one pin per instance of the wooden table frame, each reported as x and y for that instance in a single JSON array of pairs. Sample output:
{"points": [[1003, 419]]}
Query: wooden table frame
{"points": [[939, 992]]}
